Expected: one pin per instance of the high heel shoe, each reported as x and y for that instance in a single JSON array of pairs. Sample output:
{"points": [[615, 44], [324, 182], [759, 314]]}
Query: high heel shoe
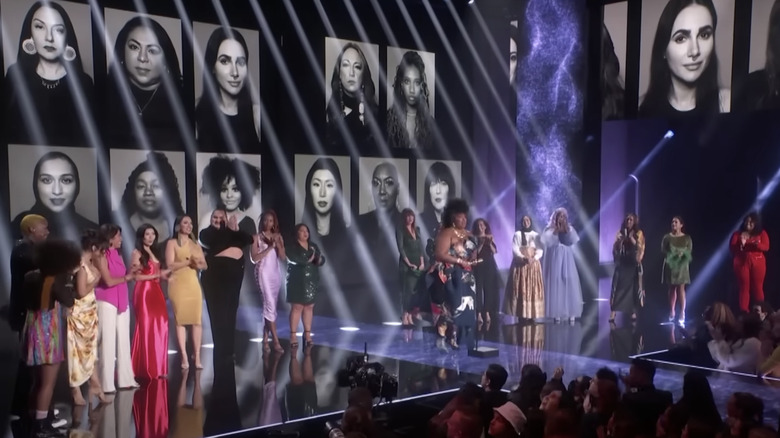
{"points": [[307, 341]]}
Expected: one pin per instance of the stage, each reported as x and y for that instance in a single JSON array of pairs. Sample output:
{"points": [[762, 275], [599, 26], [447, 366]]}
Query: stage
{"points": [[276, 391]]}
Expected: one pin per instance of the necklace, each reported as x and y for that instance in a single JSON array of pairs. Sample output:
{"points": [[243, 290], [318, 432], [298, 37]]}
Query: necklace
{"points": [[49, 85], [461, 234], [141, 109]]}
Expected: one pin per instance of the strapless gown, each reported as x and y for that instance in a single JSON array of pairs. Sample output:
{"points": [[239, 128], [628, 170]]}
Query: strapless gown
{"points": [[150, 341]]}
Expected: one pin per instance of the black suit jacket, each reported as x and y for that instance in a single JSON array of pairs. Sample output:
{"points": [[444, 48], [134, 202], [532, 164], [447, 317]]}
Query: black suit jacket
{"points": [[648, 403]]}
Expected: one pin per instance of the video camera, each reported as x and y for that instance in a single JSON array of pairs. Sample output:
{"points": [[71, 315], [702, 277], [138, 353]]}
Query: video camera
{"points": [[360, 373]]}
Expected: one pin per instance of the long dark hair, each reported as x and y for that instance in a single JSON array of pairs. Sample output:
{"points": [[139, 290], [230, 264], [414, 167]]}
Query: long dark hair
{"points": [[337, 211], [50, 156], [139, 244], [475, 226], [177, 224], [28, 63], [635, 228], [107, 232], [397, 134], [612, 91], [169, 51], [438, 172], [91, 238], [210, 58], [707, 87], [368, 89]]}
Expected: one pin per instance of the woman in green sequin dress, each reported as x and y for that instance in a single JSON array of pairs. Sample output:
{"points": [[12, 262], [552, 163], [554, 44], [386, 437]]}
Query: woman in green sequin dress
{"points": [[676, 247], [411, 263], [304, 259]]}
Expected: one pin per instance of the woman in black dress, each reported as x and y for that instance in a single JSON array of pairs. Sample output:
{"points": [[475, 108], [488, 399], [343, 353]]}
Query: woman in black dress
{"points": [[226, 113], [56, 186], [304, 259], [486, 272], [628, 250], [48, 96], [144, 88]]}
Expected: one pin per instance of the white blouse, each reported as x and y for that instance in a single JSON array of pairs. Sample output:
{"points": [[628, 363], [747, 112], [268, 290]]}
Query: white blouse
{"points": [[531, 239]]}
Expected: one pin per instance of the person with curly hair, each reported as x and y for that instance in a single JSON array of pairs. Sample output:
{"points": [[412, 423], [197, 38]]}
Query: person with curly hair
{"points": [[151, 196], [352, 107], [409, 121], [46, 290], [231, 183], [455, 254]]}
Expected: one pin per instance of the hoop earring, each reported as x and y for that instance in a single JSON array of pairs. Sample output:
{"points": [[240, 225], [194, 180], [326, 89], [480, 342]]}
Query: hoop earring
{"points": [[28, 46], [70, 54]]}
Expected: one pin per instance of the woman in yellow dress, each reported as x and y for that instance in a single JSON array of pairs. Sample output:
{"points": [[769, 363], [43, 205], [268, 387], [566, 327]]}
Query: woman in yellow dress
{"points": [[184, 257], [83, 323]]}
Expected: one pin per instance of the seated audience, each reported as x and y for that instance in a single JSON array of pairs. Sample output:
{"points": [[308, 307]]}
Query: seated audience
{"points": [[493, 380], [697, 400], [461, 417], [770, 366], [508, 421], [743, 413], [642, 397], [734, 349]]}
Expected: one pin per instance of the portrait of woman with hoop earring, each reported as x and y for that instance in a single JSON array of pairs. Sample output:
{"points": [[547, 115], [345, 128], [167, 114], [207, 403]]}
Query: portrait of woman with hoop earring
{"points": [[49, 97]]}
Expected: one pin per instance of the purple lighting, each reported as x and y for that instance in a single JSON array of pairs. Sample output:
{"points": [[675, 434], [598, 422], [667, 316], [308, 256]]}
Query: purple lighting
{"points": [[550, 106]]}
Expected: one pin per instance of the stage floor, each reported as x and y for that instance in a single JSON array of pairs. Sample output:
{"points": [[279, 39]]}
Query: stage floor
{"points": [[262, 390]]}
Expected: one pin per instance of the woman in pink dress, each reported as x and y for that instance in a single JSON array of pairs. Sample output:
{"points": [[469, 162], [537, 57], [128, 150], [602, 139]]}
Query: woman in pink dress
{"points": [[150, 341], [267, 251]]}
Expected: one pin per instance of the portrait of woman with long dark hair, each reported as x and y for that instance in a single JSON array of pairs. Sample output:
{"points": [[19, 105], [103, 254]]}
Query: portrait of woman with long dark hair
{"points": [[612, 91], [56, 184], [684, 78], [439, 187], [351, 105], [323, 206], [144, 86], [226, 112], [410, 122], [47, 91], [151, 193]]}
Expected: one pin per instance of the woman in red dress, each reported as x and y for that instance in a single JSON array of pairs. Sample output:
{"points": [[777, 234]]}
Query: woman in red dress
{"points": [[150, 341], [748, 246]]}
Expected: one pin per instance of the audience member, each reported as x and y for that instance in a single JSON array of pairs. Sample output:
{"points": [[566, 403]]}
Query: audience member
{"points": [[697, 400], [642, 397], [734, 349], [493, 380], [508, 421]]}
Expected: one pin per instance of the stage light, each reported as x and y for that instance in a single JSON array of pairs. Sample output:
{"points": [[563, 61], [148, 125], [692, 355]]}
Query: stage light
{"points": [[207, 346], [669, 134], [471, 2], [349, 329], [256, 340], [301, 334], [172, 351], [392, 323]]}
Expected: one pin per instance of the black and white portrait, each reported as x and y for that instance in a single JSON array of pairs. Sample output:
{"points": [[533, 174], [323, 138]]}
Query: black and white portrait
{"points": [[58, 183], [383, 192], [514, 45], [760, 92], [147, 187], [614, 33], [227, 87], [144, 85], [351, 78], [438, 181], [232, 181], [322, 196], [47, 50], [685, 57], [411, 88]]}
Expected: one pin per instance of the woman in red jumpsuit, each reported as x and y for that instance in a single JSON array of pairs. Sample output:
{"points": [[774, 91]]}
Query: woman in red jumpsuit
{"points": [[748, 246]]}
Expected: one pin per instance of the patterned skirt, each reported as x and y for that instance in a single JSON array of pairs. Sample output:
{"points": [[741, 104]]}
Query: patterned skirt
{"points": [[82, 340], [42, 337], [524, 296]]}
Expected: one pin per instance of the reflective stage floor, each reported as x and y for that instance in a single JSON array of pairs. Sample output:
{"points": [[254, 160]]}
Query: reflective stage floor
{"points": [[263, 390]]}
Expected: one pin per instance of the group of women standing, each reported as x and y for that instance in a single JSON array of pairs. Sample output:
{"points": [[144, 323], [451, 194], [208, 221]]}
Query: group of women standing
{"points": [[548, 288], [747, 245]]}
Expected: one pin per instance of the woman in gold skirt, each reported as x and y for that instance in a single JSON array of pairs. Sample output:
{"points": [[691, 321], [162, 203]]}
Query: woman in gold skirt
{"points": [[83, 323], [184, 257], [524, 296]]}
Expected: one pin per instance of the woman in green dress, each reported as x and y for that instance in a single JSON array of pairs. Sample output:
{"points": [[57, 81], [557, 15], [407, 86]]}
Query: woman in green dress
{"points": [[304, 259], [676, 247], [411, 262]]}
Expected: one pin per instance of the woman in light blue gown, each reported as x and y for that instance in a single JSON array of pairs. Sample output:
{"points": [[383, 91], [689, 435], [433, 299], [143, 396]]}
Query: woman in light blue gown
{"points": [[563, 293]]}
